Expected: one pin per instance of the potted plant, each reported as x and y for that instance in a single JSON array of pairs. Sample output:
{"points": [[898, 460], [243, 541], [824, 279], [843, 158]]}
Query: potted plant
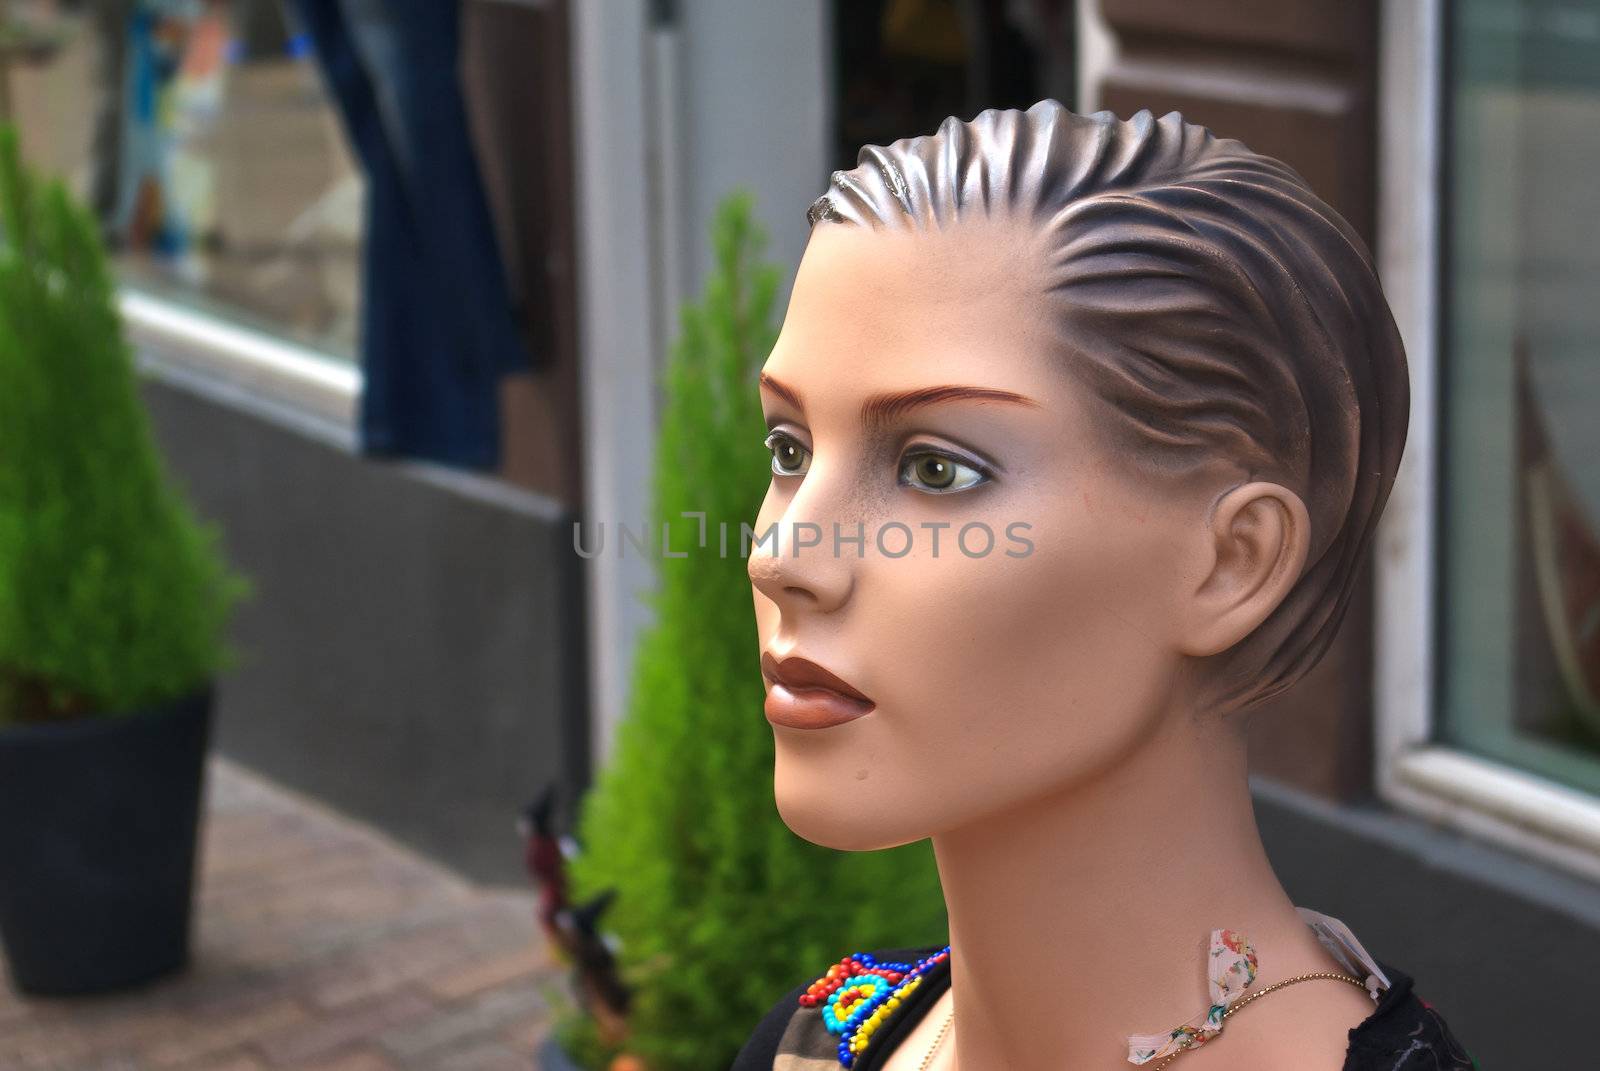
{"points": [[719, 907], [113, 601]]}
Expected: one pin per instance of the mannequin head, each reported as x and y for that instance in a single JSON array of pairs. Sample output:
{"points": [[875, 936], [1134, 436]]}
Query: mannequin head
{"points": [[1188, 400]]}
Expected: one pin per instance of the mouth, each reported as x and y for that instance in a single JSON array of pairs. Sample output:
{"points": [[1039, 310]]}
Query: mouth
{"points": [[805, 695]]}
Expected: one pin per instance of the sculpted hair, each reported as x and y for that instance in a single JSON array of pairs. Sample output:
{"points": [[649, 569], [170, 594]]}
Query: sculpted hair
{"points": [[1213, 304]]}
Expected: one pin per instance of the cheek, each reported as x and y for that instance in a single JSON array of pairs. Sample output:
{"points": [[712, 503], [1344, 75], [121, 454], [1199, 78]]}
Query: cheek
{"points": [[1004, 678]]}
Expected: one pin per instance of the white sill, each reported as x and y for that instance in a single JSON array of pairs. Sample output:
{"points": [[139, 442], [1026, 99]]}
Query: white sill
{"points": [[1516, 810], [270, 370]]}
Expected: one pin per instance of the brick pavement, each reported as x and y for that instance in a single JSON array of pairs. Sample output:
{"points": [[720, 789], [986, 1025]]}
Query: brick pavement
{"points": [[319, 945]]}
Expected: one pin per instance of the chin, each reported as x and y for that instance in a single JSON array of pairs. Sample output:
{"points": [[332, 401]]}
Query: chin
{"points": [[831, 817]]}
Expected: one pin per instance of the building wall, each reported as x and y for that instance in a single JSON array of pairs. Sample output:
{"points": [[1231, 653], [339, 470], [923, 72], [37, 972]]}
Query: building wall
{"points": [[1457, 915], [412, 653]]}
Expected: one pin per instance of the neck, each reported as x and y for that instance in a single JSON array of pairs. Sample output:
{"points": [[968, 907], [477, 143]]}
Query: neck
{"points": [[1083, 917]]}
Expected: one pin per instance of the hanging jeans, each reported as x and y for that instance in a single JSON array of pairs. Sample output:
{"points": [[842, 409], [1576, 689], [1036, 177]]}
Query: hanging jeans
{"points": [[438, 328]]}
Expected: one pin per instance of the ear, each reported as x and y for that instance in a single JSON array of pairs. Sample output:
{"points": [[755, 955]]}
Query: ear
{"points": [[1257, 539]]}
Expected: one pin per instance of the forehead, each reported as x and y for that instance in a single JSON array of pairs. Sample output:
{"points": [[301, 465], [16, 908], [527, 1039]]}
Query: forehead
{"points": [[886, 309]]}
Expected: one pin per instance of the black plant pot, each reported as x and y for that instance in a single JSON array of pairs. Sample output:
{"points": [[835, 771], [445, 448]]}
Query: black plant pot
{"points": [[98, 820]]}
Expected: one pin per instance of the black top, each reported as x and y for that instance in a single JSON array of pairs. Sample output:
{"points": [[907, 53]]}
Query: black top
{"points": [[1403, 1033]]}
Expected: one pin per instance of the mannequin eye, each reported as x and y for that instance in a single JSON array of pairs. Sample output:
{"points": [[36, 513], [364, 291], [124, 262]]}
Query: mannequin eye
{"points": [[789, 458], [938, 473]]}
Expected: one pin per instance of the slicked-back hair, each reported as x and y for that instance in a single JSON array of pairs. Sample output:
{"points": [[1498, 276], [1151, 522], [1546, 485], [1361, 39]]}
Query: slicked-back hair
{"points": [[1213, 304]]}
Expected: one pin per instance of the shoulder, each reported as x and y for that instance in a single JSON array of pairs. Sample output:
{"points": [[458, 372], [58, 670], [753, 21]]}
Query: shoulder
{"points": [[1406, 1033], [796, 1026], [1337, 1028]]}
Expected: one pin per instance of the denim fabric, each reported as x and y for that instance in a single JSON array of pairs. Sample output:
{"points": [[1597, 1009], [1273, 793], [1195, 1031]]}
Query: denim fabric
{"points": [[438, 330]]}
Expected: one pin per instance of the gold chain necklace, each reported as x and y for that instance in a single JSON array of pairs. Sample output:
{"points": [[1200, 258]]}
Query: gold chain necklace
{"points": [[928, 1059]]}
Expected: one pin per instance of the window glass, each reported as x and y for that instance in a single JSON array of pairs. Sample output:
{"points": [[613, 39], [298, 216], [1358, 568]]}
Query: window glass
{"points": [[200, 133], [1520, 513]]}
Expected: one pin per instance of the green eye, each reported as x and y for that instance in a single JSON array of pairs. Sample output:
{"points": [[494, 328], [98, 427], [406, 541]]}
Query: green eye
{"points": [[939, 473], [789, 458]]}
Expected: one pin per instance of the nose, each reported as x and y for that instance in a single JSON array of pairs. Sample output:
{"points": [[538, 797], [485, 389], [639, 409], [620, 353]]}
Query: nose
{"points": [[800, 565]]}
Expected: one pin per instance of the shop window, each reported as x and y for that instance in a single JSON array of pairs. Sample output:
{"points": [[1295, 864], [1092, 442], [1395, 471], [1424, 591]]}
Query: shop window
{"points": [[1519, 521], [200, 133]]}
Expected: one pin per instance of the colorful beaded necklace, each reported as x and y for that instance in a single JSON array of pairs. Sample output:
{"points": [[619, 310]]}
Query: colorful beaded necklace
{"points": [[858, 994]]}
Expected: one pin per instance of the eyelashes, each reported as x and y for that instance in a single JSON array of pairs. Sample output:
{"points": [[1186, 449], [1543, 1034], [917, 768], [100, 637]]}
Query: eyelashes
{"points": [[925, 468]]}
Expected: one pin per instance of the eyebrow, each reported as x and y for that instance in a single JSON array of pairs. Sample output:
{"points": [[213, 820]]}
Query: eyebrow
{"points": [[880, 409]]}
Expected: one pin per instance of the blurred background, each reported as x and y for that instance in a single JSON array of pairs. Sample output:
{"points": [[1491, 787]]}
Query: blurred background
{"points": [[402, 281]]}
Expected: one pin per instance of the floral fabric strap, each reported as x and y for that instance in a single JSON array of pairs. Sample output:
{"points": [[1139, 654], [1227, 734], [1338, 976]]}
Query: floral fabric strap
{"points": [[1231, 967], [1346, 950]]}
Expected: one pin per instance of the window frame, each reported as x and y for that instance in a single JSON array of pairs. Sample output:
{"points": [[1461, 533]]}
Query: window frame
{"points": [[1415, 772], [175, 342]]}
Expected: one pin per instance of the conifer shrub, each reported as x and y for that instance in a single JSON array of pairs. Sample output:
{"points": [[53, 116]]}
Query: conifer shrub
{"points": [[720, 908], [113, 597]]}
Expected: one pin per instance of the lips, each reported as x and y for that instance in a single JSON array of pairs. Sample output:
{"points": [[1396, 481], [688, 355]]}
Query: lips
{"points": [[804, 695]]}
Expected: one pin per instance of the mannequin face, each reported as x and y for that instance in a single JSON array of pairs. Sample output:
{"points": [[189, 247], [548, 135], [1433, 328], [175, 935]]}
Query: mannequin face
{"points": [[996, 678]]}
